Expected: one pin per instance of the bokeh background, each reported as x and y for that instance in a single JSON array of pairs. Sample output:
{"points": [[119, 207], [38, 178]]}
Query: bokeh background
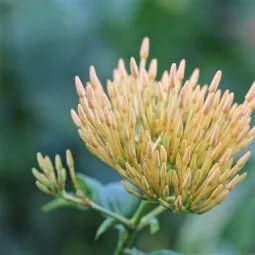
{"points": [[43, 45]]}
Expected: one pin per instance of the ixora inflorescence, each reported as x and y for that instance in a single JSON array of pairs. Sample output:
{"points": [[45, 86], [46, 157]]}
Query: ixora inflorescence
{"points": [[174, 140]]}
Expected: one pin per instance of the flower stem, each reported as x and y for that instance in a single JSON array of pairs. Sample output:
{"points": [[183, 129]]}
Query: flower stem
{"points": [[154, 213], [127, 239], [132, 226], [124, 221], [88, 203], [124, 242], [139, 213]]}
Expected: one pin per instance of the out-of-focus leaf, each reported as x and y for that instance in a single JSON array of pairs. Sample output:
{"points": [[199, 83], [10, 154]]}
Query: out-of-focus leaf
{"points": [[154, 225], [111, 196], [57, 203], [204, 240], [120, 228], [134, 251], [93, 189], [119, 200], [106, 224], [163, 252]]}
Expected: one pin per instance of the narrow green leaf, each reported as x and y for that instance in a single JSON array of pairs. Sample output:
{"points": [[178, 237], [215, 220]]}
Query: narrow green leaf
{"points": [[122, 234], [163, 252], [93, 189], [106, 224], [120, 228], [154, 225], [56, 204], [119, 200], [134, 251]]}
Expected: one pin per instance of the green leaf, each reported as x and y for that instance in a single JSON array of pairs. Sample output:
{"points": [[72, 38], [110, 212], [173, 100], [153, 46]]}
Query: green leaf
{"points": [[134, 251], [120, 228], [106, 224], [111, 196], [163, 252], [93, 189], [154, 225], [56, 204], [119, 200]]}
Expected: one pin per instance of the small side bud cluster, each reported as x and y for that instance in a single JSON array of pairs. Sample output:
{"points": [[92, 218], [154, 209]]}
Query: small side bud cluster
{"points": [[52, 177]]}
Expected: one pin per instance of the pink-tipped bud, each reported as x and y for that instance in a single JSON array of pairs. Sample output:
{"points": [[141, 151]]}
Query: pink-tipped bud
{"points": [[133, 68], [93, 77], [144, 51], [79, 87], [181, 69], [215, 82]]}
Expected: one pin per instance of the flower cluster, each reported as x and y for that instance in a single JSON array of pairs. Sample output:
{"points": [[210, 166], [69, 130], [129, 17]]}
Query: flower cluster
{"points": [[52, 177], [174, 140]]}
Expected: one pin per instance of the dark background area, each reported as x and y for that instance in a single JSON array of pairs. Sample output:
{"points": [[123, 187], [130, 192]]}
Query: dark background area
{"points": [[43, 45]]}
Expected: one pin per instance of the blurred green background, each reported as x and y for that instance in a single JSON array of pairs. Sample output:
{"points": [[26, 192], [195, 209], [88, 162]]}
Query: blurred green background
{"points": [[43, 45]]}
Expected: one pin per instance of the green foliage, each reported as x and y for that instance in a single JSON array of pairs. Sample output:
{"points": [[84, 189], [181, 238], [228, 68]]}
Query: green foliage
{"points": [[58, 203], [154, 225], [161, 252], [93, 189], [105, 225], [111, 196], [119, 200]]}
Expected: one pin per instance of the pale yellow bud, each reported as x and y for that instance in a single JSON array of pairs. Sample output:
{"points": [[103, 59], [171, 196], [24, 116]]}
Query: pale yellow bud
{"points": [[215, 82], [76, 119], [58, 162], [163, 154], [153, 69], [69, 158], [181, 69], [42, 187], [93, 77], [178, 204], [172, 75], [251, 93], [79, 87], [242, 161], [144, 52], [40, 177], [186, 157], [122, 68], [133, 68], [187, 180], [194, 77]]}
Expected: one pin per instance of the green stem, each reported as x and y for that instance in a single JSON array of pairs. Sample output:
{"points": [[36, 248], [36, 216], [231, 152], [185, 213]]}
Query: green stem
{"points": [[124, 221], [139, 213], [154, 213], [136, 223], [124, 242], [130, 233]]}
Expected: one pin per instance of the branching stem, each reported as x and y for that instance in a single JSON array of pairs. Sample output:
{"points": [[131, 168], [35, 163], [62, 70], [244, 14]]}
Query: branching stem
{"points": [[154, 213], [132, 226], [88, 203]]}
